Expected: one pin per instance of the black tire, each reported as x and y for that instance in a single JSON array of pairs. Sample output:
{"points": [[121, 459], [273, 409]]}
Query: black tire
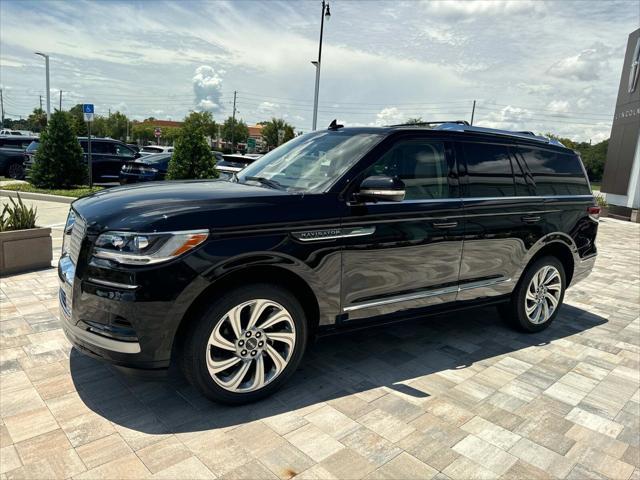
{"points": [[515, 310], [15, 170], [195, 347]]}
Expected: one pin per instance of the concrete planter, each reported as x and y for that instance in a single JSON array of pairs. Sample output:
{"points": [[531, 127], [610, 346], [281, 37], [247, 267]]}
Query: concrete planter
{"points": [[22, 250]]}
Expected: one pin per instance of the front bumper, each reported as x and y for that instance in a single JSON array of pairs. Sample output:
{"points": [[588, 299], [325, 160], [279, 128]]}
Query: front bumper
{"points": [[127, 327]]}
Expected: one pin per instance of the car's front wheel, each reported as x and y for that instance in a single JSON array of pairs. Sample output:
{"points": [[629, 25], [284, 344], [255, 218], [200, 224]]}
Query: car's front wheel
{"points": [[538, 297], [15, 170], [246, 345]]}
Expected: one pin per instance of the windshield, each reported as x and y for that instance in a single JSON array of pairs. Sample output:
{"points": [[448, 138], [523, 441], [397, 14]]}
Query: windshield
{"points": [[311, 162], [33, 146]]}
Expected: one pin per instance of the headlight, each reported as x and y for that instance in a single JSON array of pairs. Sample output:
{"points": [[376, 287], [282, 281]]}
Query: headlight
{"points": [[133, 248]]}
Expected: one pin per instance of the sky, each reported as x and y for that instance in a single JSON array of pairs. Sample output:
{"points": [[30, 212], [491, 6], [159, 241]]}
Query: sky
{"points": [[530, 65]]}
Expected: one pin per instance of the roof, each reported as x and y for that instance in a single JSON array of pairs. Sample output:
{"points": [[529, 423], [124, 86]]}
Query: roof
{"points": [[162, 123], [255, 130]]}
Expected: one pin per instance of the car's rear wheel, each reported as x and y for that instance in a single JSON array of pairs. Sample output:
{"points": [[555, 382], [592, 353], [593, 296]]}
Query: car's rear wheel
{"points": [[538, 297], [246, 345], [15, 170]]}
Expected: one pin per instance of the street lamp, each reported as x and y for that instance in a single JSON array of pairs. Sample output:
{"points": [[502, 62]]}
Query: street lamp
{"points": [[46, 62], [325, 13]]}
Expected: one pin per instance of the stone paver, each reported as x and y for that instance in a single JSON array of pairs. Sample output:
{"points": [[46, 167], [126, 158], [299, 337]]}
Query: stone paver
{"points": [[451, 397]]}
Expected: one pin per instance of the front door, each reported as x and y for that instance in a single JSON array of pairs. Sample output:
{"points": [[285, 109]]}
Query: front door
{"points": [[405, 255]]}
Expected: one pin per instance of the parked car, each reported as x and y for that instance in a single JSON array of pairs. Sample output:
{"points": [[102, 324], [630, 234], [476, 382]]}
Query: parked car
{"points": [[134, 146], [233, 163], [12, 150], [344, 228], [145, 169], [107, 157], [151, 149], [6, 132]]}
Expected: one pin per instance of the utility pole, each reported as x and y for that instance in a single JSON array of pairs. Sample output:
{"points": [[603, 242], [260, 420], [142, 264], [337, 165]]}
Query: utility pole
{"points": [[60, 100], [40, 102], [473, 111], [46, 63], [233, 123], [2, 108], [325, 13]]}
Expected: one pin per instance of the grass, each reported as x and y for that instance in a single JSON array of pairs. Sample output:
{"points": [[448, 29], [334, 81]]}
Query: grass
{"points": [[595, 186], [79, 191]]}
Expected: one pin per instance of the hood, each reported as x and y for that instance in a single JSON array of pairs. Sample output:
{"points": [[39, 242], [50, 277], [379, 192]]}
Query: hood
{"points": [[163, 206]]}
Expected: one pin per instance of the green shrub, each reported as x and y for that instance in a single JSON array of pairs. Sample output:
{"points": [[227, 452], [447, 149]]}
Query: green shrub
{"points": [[17, 216], [601, 200], [58, 161], [192, 156]]}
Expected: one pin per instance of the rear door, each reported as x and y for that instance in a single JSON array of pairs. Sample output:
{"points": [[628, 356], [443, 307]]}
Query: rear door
{"points": [[405, 255], [562, 181], [504, 218]]}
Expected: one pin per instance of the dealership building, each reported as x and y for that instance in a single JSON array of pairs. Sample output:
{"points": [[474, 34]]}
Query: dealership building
{"points": [[621, 180]]}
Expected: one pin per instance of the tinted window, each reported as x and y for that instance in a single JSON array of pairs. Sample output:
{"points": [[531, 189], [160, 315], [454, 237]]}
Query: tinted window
{"points": [[421, 165], [488, 170], [15, 143], [123, 151], [524, 181], [106, 148], [33, 146], [556, 173]]}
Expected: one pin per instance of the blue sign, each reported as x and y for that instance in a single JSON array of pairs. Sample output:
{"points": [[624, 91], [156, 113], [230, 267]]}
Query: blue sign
{"points": [[87, 108]]}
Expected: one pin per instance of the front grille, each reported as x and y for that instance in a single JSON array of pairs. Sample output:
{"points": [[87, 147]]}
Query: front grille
{"points": [[77, 235]]}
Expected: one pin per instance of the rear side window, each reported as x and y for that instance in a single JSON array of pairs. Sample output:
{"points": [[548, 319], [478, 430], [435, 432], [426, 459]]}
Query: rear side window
{"points": [[556, 173], [488, 170], [106, 148]]}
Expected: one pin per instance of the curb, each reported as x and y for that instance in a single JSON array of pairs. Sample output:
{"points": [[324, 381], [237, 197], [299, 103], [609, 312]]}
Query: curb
{"points": [[37, 196]]}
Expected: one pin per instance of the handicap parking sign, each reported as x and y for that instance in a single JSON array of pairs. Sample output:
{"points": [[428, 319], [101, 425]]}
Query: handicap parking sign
{"points": [[87, 109]]}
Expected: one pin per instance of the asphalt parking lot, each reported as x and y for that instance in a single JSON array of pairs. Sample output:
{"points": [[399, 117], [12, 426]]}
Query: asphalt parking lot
{"points": [[458, 396]]}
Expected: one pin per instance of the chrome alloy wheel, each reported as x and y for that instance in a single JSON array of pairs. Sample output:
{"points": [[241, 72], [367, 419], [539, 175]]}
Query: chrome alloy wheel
{"points": [[543, 295], [251, 345]]}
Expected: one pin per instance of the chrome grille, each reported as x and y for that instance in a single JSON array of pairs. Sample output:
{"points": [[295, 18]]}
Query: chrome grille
{"points": [[77, 235]]}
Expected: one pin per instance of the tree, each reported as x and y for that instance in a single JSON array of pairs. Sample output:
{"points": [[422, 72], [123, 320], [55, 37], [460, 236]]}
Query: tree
{"points": [[414, 121], [235, 131], [37, 121], [58, 161], [270, 132], [192, 156], [78, 124]]}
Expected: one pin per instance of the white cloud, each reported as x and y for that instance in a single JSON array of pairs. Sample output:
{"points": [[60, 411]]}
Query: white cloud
{"points": [[207, 87], [559, 106], [469, 9], [389, 116], [586, 65]]}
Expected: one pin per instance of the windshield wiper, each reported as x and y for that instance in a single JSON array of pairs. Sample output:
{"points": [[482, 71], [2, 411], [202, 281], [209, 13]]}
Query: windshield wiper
{"points": [[266, 181]]}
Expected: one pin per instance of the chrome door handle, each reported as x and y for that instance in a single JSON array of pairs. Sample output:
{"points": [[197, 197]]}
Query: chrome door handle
{"points": [[531, 219], [444, 225]]}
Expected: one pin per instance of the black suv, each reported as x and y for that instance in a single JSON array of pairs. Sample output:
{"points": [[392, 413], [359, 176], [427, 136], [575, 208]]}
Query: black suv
{"points": [[107, 157], [12, 155], [337, 228]]}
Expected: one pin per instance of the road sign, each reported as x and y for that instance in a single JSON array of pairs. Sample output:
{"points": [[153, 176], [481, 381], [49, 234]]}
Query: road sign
{"points": [[157, 132], [87, 109], [251, 143]]}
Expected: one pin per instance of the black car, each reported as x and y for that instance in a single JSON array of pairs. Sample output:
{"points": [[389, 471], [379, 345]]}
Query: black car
{"points": [[107, 157], [341, 228], [12, 150], [145, 169]]}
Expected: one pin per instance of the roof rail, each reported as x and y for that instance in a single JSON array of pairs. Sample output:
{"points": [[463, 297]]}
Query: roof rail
{"points": [[457, 127], [428, 124]]}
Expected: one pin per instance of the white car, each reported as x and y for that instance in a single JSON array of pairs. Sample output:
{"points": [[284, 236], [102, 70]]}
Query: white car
{"points": [[151, 149]]}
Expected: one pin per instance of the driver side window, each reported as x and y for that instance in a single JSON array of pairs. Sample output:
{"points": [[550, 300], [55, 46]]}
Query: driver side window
{"points": [[420, 164]]}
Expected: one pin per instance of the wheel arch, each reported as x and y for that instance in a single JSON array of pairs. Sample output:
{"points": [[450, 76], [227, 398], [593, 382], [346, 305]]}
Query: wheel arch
{"points": [[269, 274], [560, 246]]}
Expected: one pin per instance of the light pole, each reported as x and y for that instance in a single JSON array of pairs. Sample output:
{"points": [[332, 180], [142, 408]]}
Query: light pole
{"points": [[325, 13], [46, 63]]}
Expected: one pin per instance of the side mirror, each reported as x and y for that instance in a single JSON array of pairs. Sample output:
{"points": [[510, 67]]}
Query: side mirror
{"points": [[380, 188]]}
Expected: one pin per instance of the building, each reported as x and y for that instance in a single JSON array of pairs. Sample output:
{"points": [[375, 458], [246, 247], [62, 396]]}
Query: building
{"points": [[621, 180]]}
